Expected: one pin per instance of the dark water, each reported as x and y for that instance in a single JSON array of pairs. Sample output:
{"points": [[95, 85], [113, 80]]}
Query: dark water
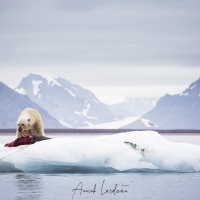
{"points": [[143, 185], [138, 186]]}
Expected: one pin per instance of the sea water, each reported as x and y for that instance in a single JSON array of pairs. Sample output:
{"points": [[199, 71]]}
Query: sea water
{"points": [[140, 185], [124, 186]]}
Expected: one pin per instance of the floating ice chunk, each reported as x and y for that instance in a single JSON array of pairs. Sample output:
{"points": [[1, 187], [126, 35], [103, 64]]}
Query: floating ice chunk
{"points": [[122, 152]]}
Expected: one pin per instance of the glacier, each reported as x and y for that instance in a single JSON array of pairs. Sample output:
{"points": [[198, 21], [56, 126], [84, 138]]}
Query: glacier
{"points": [[124, 152]]}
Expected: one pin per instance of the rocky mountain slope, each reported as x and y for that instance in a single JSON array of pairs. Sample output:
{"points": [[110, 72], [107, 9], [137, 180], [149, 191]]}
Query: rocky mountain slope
{"points": [[180, 111], [133, 107], [12, 103], [72, 105]]}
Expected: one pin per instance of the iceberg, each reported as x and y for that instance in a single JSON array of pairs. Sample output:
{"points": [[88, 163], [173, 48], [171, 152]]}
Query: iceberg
{"points": [[124, 152]]}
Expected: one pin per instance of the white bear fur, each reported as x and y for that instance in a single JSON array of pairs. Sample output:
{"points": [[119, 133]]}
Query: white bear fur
{"points": [[29, 122]]}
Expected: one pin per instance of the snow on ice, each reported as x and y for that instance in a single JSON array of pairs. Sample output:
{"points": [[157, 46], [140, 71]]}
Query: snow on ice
{"points": [[123, 152]]}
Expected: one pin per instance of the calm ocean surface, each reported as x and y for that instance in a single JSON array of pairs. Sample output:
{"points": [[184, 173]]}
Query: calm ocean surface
{"points": [[143, 185]]}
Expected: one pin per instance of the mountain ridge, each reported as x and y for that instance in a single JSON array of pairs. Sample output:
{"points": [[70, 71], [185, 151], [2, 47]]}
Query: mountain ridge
{"points": [[11, 105], [69, 103], [133, 107], [179, 111]]}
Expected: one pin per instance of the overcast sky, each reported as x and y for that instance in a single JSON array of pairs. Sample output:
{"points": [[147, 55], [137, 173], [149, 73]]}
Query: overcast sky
{"points": [[116, 48]]}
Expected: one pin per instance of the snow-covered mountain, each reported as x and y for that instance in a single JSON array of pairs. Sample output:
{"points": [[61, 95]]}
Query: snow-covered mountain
{"points": [[12, 103], [180, 111], [117, 124], [133, 107], [70, 104]]}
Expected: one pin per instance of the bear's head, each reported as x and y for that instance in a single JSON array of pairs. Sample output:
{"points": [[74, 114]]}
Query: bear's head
{"points": [[23, 123]]}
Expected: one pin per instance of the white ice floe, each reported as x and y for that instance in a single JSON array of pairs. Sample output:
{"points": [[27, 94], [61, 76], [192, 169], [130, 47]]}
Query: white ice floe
{"points": [[124, 152]]}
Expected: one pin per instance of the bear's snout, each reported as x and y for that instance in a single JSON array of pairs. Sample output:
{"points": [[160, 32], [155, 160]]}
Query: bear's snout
{"points": [[20, 129]]}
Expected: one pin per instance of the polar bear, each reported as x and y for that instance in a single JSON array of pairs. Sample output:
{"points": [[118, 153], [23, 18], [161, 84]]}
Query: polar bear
{"points": [[29, 122]]}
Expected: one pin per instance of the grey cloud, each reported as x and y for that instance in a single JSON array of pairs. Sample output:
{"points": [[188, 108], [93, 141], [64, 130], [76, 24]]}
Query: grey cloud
{"points": [[91, 31]]}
